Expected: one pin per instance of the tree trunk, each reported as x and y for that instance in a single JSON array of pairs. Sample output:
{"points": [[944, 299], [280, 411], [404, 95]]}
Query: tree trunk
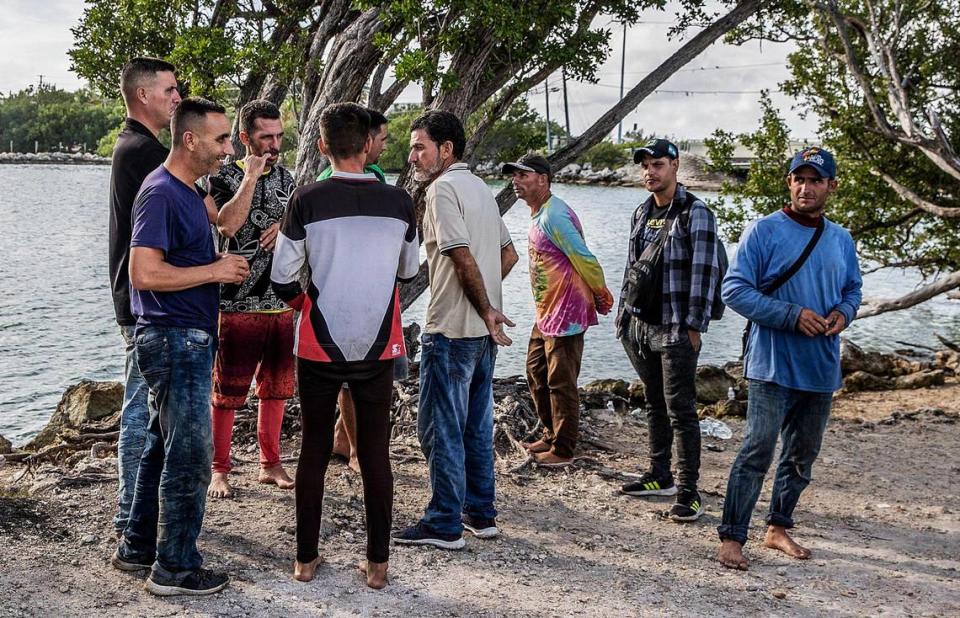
{"points": [[350, 62], [593, 135], [264, 83]]}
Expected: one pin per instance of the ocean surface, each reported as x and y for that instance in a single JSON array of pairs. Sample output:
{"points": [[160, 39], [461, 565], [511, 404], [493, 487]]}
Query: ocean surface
{"points": [[57, 324]]}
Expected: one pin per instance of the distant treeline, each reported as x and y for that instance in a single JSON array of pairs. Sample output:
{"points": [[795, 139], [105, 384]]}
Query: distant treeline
{"points": [[48, 118], [54, 119]]}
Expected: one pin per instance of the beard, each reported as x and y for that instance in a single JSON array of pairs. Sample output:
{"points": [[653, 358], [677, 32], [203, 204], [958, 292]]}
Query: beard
{"points": [[427, 174]]}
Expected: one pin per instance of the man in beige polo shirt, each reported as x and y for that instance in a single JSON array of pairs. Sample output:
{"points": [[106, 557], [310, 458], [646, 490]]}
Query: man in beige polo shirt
{"points": [[469, 252]]}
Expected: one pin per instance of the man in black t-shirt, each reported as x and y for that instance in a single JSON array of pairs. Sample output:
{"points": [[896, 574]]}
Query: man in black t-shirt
{"points": [[150, 92]]}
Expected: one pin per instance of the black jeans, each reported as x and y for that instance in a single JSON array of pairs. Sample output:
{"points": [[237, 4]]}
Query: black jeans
{"points": [[371, 385], [667, 365]]}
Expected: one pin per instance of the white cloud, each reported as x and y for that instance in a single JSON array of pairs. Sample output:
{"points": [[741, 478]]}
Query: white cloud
{"points": [[35, 36], [34, 39]]}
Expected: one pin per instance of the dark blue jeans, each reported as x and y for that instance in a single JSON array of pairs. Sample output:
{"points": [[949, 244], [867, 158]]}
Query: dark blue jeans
{"points": [[800, 418], [455, 427], [133, 429], [171, 490]]}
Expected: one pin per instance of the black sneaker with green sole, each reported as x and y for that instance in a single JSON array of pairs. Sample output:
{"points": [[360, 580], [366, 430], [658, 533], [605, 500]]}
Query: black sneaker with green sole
{"points": [[689, 507], [650, 485]]}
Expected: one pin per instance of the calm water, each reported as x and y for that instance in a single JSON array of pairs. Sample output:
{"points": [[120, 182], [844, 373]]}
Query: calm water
{"points": [[57, 324]]}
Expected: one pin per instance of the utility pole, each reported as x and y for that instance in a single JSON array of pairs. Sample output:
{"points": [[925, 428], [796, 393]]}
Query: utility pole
{"points": [[623, 64], [546, 89], [41, 81], [566, 109]]}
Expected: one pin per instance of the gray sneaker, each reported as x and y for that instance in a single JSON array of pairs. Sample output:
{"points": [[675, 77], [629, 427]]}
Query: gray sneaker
{"points": [[480, 528], [129, 562], [195, 583]]}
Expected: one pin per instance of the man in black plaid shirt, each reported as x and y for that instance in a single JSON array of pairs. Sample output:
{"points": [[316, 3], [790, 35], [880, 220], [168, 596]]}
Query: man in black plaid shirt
{"points": [[661, 328]]}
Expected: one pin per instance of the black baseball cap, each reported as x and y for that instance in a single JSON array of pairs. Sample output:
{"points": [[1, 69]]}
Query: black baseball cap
{"points": [[656, 148], [530, 162]]}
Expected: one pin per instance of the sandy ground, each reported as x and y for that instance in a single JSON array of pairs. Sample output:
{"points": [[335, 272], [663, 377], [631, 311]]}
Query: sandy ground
{"points": [[881, 517]]}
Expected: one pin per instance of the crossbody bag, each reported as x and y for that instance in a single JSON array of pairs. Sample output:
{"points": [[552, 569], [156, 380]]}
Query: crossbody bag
{"points": [[777, 283]]}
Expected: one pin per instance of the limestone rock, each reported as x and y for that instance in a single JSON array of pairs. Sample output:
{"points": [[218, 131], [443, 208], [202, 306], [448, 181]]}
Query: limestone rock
{"points": [[82, 403], [864, 381], [637, 394], [853, 358], [725, 408], [713, 383], [5, 446], [595, 394], [921, 379]]}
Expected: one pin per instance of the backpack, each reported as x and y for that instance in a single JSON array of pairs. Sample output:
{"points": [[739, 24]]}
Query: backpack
{"points": [[723, 262]]}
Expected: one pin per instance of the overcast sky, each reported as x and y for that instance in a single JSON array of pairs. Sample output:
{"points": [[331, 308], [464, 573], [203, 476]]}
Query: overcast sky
{"points": [[35, 36]]}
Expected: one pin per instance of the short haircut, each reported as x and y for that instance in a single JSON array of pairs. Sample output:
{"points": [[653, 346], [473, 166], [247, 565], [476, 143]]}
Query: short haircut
{"points": [[345, 129], [377, 120], [258, 108], [137, 69], [442, 127], [188, 113]]}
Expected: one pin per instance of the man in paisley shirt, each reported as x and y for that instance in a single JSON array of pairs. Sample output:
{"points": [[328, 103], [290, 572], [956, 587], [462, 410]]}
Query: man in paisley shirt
{"points": [[568, 289], [256, 327]]}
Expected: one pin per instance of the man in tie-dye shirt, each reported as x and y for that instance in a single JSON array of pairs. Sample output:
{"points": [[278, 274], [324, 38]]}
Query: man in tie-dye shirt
{"points": [[569, 290]]}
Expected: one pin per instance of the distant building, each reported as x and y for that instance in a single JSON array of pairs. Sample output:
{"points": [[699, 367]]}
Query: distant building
{"points": [[742, 156]]}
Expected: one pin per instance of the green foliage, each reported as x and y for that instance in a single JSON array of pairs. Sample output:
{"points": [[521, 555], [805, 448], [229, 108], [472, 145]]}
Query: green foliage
{"points": [[519, 131], [112, 31], [764, 190], [209, 60], [527, 35], [925, 40], [394, 156], [51, 116], [607, 154]]}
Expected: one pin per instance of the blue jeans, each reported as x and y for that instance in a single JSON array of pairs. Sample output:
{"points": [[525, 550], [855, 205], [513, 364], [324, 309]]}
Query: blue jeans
{"points": [[133, 430], [171, 489], [800, 418], [455, 427]]}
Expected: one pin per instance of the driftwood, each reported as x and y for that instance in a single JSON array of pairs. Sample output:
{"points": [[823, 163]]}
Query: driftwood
{"points": [[953, 346]]}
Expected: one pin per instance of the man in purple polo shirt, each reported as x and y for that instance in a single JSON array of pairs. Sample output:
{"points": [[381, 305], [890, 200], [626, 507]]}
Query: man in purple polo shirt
{"points": [[174, 277]]}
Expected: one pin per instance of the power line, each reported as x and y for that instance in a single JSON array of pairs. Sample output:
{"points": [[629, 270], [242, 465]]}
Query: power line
{"points": [[708, 68]]}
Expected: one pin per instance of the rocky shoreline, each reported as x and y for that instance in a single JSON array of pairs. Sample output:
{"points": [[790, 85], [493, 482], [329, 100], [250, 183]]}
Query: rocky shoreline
{"points": [[693, 174], [884, 530], [53, 158], [86, 422]]}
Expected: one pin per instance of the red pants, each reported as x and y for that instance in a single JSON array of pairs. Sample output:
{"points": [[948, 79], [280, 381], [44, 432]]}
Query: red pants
{"points": [[252, 346]]}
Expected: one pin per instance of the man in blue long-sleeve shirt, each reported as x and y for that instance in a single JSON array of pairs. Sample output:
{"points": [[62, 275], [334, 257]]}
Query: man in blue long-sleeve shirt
{"points": [[793, 352]]}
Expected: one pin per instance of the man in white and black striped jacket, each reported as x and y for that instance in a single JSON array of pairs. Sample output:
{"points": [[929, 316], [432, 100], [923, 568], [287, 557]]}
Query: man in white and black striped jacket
{"points": [[358, 237]]}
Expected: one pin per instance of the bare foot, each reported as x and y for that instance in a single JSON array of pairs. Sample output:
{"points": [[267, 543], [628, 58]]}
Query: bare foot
{"points": [[376, 573], [731, 555], [536, 447], [341, 444], [219, 487], [275, 475], [305, 571], [777, 538], [552, 460], [354, 463]]}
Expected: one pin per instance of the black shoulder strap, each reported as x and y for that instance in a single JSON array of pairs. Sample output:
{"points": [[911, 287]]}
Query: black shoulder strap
{"points": [[785, 276]]}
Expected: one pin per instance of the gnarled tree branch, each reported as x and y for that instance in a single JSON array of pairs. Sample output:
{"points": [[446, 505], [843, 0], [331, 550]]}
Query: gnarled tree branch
{"points": [[908, 195], [871, 307]]}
